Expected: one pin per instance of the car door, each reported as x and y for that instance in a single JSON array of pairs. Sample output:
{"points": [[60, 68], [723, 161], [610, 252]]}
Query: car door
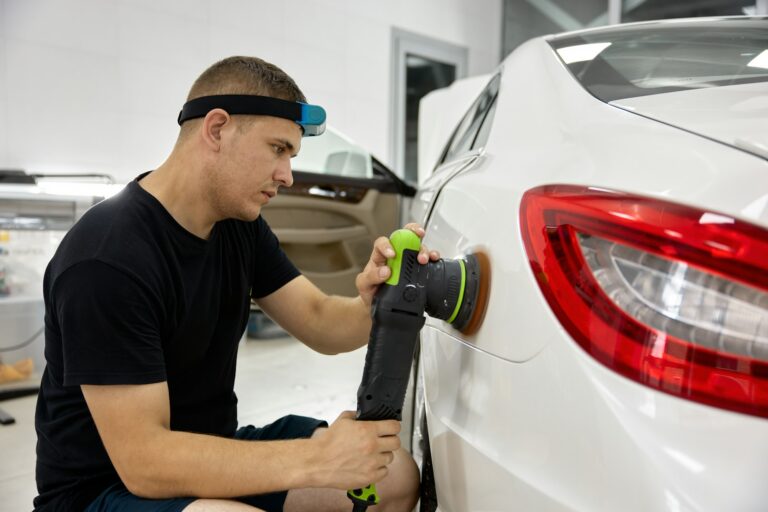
{"points": [[341, 200], [464, 150]]}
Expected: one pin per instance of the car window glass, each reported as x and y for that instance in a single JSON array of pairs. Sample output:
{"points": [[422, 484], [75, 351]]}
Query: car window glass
{"points": [[331, 153], [464, 134], [485, 128], [614, 64]]}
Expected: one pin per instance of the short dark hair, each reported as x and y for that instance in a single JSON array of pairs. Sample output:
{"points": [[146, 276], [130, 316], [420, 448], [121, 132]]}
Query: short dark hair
{"points": [[244, 75]]}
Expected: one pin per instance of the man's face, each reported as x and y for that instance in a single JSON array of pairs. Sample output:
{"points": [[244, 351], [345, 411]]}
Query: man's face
{"points": [[255, 160]]}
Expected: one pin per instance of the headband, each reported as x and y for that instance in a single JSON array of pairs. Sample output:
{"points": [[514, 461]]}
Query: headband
{"points": [[311, 118]]}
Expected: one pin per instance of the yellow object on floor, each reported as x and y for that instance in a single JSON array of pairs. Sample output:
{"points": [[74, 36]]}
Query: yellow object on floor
{"points": [[17, 371]]}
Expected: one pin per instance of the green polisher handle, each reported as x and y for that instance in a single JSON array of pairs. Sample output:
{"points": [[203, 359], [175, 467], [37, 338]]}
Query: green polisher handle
{"points": [[363, 498], [390, 347]]}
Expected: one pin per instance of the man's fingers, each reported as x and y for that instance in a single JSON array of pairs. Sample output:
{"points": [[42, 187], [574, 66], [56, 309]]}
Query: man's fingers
{"points": [[416, 228], [389, 443], [386, 459], [380, 474], [381, 274], [387, 427], [425, 255], [382, 250]]}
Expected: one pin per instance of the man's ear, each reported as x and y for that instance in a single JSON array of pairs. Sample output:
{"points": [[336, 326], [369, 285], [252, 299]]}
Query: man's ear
{"points": [[213, 124]]}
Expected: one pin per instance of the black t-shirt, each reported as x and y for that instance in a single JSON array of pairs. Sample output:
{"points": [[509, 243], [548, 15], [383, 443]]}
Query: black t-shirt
{"points": [[131, 297]]}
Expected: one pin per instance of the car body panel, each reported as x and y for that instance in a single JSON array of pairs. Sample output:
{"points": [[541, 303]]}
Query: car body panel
{"points": [[728, 181], [582, 439], [733, 114], [428, 193], [519, 416]]}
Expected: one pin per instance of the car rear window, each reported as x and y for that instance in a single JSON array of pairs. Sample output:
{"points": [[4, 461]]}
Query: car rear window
{"points": [[639, 60]]}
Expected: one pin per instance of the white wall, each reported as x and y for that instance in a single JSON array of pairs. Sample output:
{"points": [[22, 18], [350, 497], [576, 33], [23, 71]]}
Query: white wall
{"points": [[96, 85]]}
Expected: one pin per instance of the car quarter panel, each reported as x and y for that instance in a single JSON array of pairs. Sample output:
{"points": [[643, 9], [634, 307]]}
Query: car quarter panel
{"points": [[518, 413], [549, 130], [561, 432]]}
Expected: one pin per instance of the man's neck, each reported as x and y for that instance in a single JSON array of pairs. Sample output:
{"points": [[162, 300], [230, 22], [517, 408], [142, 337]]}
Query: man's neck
{"points": [[179, 188]]}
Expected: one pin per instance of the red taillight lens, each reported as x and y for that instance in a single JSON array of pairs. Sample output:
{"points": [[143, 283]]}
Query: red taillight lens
{"points": [[670, 296]]}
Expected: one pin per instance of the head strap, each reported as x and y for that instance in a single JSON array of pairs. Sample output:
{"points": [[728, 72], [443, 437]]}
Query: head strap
{"points": [[311, 118]]}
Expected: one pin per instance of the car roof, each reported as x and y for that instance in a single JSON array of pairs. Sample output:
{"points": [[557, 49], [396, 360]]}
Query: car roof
{"points": [[671, 23]]}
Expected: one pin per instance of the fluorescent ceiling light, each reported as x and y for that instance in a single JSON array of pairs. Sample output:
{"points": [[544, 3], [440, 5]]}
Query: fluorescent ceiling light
{"points": [[581, 52], [63, 188], [761, 61]]}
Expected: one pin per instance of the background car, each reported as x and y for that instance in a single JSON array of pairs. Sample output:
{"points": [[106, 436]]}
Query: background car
{"points": [[617, 180], [341, 200]]}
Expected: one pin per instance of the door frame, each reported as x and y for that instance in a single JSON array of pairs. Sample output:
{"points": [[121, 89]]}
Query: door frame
{"points": [[403, 43]]}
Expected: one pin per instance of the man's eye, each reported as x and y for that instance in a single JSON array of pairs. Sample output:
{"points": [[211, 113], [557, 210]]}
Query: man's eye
{"points": [[278, 149]]}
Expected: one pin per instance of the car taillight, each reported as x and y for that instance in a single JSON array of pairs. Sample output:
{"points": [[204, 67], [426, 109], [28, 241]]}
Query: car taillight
{"points": [[670, 296]]}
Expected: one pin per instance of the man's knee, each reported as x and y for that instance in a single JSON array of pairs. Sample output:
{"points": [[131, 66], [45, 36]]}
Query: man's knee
{"points": [[219, 506], [400, 488]]}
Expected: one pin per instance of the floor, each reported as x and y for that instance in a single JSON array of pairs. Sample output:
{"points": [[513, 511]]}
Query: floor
{"points": [[274, 378]]}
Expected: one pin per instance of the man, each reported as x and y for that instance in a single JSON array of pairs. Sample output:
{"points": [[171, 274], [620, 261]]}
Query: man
{"points": [[146, 300]]}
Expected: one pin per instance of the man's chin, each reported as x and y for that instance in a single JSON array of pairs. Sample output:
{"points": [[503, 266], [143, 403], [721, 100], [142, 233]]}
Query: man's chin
{"points": [[248, 216]]}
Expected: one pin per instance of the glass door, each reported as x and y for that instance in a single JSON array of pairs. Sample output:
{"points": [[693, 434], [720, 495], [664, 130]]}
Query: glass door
{"points": [[420, 64], [422, 76]]}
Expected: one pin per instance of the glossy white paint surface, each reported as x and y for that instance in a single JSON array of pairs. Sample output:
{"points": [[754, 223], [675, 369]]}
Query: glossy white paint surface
{"points": [[733, 114], [520, 417]]}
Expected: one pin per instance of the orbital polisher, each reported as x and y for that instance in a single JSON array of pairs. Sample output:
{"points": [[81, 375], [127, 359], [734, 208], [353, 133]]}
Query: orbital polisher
{"points": [[453, 290]]}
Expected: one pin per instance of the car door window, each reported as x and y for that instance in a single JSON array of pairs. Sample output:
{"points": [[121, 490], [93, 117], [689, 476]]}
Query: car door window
{"points": [[333, 154], [466, 132]]}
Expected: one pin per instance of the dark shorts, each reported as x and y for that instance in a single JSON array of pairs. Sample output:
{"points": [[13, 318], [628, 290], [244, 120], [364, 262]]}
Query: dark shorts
{"points": [[116, 498]]}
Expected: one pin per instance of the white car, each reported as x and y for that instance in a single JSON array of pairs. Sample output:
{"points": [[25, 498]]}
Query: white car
{"points": [[617, 180]]}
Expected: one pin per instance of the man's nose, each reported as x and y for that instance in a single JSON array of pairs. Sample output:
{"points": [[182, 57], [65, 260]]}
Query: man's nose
{"points": [[283, 174]]}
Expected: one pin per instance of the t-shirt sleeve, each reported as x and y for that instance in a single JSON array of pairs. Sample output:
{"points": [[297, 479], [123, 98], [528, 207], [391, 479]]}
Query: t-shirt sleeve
{"points": [[109, 327], [273, 269]]}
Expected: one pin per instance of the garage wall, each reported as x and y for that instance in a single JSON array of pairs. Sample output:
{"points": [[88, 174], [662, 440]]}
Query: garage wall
{"points": [[95, 85]]}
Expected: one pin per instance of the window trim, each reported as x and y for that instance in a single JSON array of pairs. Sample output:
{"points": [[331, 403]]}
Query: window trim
{"points": [[444, 153]]}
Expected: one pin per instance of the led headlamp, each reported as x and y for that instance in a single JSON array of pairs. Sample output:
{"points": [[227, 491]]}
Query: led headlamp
{"points": [[311, 118]]}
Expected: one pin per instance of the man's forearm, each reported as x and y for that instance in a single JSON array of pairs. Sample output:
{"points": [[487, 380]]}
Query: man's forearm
{"points": [[342, 325], [327, 324], [187, 464]]}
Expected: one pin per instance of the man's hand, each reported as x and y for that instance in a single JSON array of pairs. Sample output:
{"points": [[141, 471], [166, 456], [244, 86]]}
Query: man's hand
{"points": [[377, 271], [353, 454], [334, 324]]}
